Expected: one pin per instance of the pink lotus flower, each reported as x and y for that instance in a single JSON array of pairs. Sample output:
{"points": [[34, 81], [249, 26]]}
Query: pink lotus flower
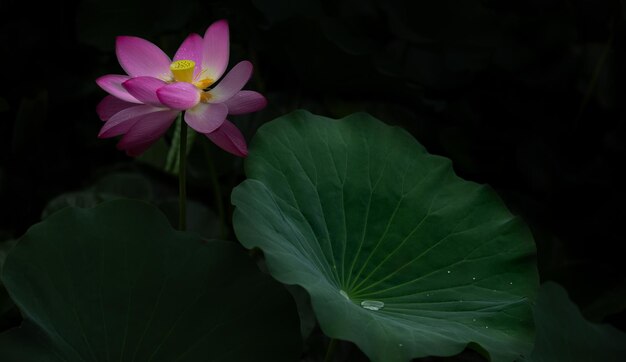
{"points": [[143, 104]]}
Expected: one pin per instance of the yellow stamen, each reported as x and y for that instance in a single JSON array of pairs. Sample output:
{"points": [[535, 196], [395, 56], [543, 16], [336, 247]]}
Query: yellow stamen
{"points": [[205, 97], [204, 83], [183, 70]]}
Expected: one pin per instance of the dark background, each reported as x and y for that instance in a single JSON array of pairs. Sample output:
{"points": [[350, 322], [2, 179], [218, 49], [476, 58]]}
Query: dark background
{"points": [[527, 96]]}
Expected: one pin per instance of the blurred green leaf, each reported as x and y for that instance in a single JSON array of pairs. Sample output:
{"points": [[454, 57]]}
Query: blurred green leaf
{"points": [[117, 282], [610, 302], [200, 218], [305, 310], [156, 155], [598, 81], [124, 185], [82, 199], [133, 185], [110, 187], [398, 254], [563, 335]]}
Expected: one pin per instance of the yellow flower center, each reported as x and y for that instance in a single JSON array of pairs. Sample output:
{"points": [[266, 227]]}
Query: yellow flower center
{"points": [[183, 70], [205, 97], [204, 83]]}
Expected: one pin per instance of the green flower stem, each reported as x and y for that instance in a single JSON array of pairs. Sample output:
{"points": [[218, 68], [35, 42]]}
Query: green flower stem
{"points": [[330, 351], [182, 178]]}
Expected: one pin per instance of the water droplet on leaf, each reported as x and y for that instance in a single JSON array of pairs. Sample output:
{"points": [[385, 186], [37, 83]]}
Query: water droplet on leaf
{"points": [[372, 304], [344, 294]]}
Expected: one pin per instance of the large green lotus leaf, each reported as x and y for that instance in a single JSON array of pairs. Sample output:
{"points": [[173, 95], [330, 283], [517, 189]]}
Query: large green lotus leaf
{"points": [[399, 255], [563, 334], [117, 283]]}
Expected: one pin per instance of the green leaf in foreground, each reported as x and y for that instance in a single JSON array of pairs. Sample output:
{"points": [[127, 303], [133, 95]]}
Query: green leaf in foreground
{"points": [[117, 283], [563, 335], [399, 255]]}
